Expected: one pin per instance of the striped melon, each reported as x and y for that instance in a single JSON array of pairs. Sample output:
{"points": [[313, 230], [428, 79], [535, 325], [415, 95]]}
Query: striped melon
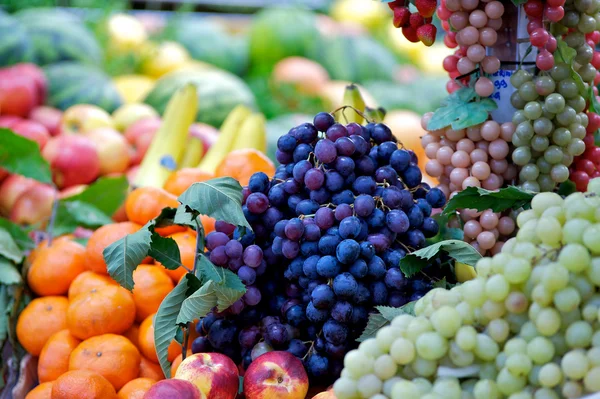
{"points": [[71, 83], [277, 33], [15, 45], [59, 36], [218, 93], [209, 41], [355, 58]]}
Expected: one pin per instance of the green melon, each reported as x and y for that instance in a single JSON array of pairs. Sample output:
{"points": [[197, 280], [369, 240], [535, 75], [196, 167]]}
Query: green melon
{"points": [[15, 45], [355, 58], [59, 36], [218, 93], [278, 33], [70, 83], [209, 41], [393, 96]]}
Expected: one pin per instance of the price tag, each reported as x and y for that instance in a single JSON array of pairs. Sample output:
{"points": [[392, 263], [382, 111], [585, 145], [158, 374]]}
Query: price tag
{"points": [[501, 95]]}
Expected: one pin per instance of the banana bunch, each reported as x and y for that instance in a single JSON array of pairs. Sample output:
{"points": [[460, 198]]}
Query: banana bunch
{"points": [[354, 99], [241, 129], [169, 144]]}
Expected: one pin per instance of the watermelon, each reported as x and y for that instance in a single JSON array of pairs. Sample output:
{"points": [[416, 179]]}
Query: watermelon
{"points": [[71, 83], [355, 58], [15, 46], [209, 41], [277, 33], [59, 36], [218, 93], [393, 96]]}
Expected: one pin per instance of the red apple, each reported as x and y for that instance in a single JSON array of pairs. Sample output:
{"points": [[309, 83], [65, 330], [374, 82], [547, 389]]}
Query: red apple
{"points": [[50, 117], [73, 159], [18, 94], [141, 127], [33, 131], [206, 133], [10, 189], [85, 117], [138, 150], [214, 374], [172, 389], [113, 149], [8, 121], [33, 205], [276, 374], [36, 74], [3, 174]]}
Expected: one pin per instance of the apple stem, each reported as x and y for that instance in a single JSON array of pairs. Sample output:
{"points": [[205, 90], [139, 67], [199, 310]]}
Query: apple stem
{"points": [[50, 227]]}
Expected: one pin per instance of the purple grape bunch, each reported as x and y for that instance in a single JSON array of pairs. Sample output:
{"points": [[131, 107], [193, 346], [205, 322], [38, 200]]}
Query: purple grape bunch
{"points": [[346, 204]]}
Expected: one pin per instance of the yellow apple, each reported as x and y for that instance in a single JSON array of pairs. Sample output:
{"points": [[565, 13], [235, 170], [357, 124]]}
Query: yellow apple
{"points": [[127, 114], [85, 117]]}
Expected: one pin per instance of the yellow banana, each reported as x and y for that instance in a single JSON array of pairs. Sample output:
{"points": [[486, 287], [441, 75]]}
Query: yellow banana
{"points": [[227, 136], [193, 153], [464, 272], [353, 98], [375, 114], [252, 133], [169, 143]]}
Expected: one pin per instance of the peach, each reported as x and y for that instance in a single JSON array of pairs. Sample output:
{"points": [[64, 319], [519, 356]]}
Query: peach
{"points": [[50, 117], [10, 189], [85, 117], [276, 374], [215, 375], [34, 205], [113, 149], [173, 389], [73, 159]]}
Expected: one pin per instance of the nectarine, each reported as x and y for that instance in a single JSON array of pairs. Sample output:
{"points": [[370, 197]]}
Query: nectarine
{"points": [[172, 389], [276, 374], [214, 374]]}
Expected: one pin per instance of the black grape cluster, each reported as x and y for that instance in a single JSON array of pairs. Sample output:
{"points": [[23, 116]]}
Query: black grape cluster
{"points": [[345, 206]]}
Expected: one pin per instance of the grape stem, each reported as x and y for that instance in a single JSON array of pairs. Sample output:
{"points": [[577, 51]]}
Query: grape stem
{"points": [[343, 108], [199, 243], [186, 338]]}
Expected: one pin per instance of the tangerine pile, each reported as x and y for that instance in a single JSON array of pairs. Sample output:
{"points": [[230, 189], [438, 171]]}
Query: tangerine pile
{"points": [[93, 338]]}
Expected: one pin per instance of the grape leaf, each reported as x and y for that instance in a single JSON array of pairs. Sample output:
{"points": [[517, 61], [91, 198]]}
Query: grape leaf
{"points": [[390, 312], [9, 248], [18, 234], [23, 157], [481, 199], [458, 250], [566, 188], [219, 198], [226, 297], [564, 53], [9, 274], [228, 286], [184, 217], [123, 256], [165, 250], [461, 109], [165, 322], [376, 321], [198, 304], [106, 194]]}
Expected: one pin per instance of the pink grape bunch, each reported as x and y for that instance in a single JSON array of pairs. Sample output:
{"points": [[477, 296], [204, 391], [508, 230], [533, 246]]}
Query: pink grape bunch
{"points": [[486, 231], [471, 27]]}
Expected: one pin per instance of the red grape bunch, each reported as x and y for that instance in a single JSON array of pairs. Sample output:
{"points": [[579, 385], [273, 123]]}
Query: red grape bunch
{"points": [[472, 26], [416, 26], [587, 166]]}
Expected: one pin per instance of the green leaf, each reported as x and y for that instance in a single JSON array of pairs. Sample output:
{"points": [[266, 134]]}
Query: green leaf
{"points": [[71, 214], [519, 2], [207, 271], [18, 234], [458, 250], [198, 304], [165, 218], [9, 274], [389, 312], [564, 53], [445, 232], [106, 194], [165, 323], [4, 303], [226, 297], [593, 101], [443, 283], [219, 198], [460, 110], [81, 240], [184, 217], [481, 199], [23, 157], [566, 188], [8, 247], [376, 321], [227, 285], [123, 256], [165, 250]]}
